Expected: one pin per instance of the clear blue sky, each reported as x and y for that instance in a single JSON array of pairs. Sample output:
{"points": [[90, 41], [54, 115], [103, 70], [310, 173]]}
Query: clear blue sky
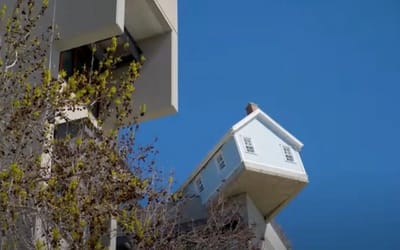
{"points": [[329, 72]]}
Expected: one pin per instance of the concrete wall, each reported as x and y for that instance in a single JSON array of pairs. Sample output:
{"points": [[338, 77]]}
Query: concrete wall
{"points": [[170, 11], [157, 87], [268, 148], [252, 216], [272, 240], [255, 219], [266, 237], [154, 24], [83, 22]]}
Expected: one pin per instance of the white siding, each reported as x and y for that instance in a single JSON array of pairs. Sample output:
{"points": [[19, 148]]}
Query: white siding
{"points": [[268, 147], [212, 176], [190, 190]]}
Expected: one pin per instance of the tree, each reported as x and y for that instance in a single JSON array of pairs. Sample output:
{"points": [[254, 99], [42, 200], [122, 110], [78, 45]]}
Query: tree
{"points": [[63, 181]]}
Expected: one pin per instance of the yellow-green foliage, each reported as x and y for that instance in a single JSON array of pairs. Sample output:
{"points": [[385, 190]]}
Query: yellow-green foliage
{"points": [[76, 191], [3, 11], [40, 245]]}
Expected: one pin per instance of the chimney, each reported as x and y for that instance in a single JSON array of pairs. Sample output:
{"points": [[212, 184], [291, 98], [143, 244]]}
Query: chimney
{"points": [[251, 107]]}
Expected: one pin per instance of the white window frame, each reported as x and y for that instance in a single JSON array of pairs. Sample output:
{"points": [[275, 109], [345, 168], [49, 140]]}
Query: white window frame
{"points": [[220, 161], [247, 144], [288, 153], [199, 184]]}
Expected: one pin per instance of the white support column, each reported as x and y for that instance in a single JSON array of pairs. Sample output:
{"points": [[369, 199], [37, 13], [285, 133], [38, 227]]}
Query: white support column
{"points": [[113, 235]]}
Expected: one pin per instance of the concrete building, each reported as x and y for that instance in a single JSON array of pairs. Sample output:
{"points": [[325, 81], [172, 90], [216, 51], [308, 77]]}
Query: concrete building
{"points": [[151, 29], [257, 164], [151, 26]]}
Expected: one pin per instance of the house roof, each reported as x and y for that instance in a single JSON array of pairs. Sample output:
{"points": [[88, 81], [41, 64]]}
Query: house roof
{"points": [[257, 114]]}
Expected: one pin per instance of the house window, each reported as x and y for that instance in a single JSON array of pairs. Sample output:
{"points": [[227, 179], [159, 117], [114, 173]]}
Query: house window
{"points": [[220, 161], [287, 151], [199, 185], [248, 144]]}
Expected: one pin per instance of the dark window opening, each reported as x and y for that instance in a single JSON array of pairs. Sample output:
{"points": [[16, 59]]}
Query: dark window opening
{"points": [[288, 154], [231, 226], [199, 185], [78, 58], [124, 243], [220, 161], [72, 129], [249, 145], [95, 109]]}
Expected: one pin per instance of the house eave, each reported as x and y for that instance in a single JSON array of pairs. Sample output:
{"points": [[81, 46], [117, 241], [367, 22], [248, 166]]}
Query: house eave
{"points": [[272, 125]]}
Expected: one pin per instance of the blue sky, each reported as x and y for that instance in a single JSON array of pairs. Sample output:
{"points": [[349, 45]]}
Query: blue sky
{"points": [[329, 72]]}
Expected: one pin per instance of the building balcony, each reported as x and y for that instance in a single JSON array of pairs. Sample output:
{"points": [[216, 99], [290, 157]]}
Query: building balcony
{"points": [[96, 20], [151, 28]]}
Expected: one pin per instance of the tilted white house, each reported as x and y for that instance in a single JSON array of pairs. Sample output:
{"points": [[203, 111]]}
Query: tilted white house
{"points": [[257, 161], [258, 157]]}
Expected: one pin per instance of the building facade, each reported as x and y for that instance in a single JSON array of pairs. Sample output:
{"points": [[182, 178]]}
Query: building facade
{"points": [[151, 29]]}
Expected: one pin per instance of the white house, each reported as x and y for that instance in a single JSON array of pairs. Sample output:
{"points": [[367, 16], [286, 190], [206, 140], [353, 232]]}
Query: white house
{"points": [[258, 162]]}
